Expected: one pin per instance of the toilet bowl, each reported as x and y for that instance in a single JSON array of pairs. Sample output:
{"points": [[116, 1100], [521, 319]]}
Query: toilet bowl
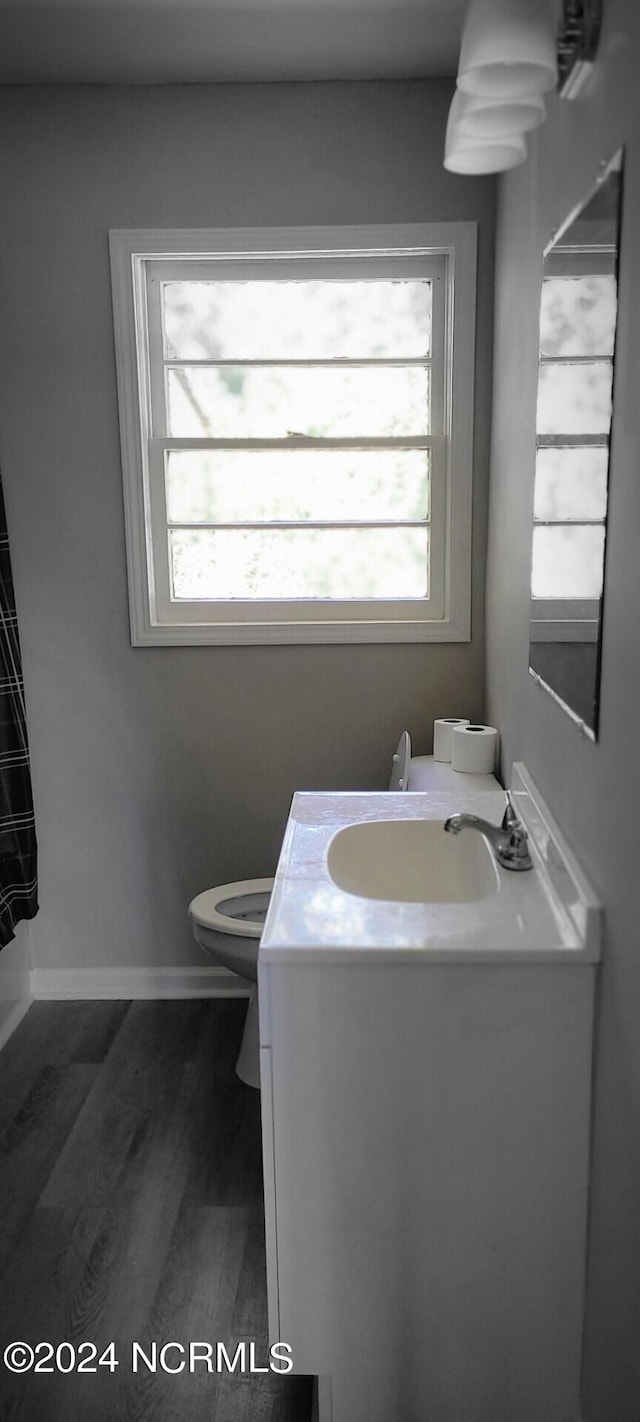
{"points": [[227, 922]]}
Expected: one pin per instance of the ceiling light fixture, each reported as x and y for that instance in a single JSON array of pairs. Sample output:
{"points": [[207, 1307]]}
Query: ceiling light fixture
{"points": [[487, 118], [508, 49], [578, 35], [513, 53], [464, 153]]}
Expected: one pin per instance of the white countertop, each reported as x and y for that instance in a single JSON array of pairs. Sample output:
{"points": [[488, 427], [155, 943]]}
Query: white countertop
{"points": [[545, 914]]}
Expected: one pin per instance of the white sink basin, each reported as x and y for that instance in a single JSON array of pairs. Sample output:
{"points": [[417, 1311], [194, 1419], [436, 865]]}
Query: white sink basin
{"points": [[372, 877], [412, 861]]}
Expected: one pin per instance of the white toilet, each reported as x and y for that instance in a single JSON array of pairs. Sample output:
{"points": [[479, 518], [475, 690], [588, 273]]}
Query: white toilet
{"points": [[227, 922]]}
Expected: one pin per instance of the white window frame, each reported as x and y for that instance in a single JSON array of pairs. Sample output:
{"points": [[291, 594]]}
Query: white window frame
{"points": [[445, 617]]}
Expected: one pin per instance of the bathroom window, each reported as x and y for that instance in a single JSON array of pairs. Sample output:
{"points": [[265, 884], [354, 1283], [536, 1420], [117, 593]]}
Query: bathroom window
{"points": [[296, 417]]}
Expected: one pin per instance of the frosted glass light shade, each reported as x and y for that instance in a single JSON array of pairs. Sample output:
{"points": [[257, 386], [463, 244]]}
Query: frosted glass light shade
{"points": [[508, 49], [479, 158], [487, 118], [463, 154]]}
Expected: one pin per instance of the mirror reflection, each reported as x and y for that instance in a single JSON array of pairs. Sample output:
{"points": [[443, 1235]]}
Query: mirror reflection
{"points": [[578, 309]]}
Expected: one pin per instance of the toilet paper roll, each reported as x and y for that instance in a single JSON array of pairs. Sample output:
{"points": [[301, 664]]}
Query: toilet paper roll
{"points": [[442, 733], [474, 749]]}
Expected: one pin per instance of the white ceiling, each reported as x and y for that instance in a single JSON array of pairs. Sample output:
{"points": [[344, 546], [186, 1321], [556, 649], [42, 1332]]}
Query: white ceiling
{"points": [[206, 41]]}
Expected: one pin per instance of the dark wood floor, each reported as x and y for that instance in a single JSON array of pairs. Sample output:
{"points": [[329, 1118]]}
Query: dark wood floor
{"points": [[131, 1209]]}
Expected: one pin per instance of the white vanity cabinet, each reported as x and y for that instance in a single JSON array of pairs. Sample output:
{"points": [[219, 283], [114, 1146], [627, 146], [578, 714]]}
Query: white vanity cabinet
{"points": [[426, 1113]]}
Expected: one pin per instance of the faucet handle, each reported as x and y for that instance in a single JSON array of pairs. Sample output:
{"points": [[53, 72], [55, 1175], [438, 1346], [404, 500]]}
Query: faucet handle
{"points": [[514, 853], [510, 818]]}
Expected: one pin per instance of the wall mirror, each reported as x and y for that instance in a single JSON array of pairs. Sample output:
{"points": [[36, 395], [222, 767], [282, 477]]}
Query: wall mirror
{"points": [[578, 310]]}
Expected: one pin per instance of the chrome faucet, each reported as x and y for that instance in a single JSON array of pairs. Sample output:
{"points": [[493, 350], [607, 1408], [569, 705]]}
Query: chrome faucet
{"points": [[509, 840]]}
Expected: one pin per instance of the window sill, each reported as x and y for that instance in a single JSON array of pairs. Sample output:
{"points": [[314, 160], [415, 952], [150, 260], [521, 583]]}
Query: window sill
{"points": [[296, 633]]}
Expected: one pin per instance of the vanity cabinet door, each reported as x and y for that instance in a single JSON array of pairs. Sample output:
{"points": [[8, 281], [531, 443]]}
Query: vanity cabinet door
{"points": [[429, 1133]]}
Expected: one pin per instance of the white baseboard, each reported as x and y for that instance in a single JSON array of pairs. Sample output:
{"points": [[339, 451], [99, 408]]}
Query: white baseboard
{"points": [[127, 983], [14, 1019]]}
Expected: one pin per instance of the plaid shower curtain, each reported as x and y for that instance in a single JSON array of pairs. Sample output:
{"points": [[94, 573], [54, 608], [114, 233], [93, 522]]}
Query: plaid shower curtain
{"points": [[18, 852]]}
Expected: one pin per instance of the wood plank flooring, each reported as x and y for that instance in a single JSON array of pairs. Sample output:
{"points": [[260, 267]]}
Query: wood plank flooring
{"points": [[131, 1209]]}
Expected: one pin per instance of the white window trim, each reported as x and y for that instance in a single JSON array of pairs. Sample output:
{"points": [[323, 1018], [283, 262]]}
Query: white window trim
{"points": [[130, 251], [564, 620]]}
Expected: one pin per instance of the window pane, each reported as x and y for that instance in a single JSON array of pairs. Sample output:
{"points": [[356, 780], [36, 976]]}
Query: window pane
{"points": [[571, 483], [264, 320], [567, 562], [578, 316], [300, 563], [220, 486], [575, 399], [236, 402]]}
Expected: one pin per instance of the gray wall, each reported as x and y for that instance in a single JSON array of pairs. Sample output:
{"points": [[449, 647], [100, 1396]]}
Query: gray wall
{"points": [[158, 772], [593, 790]]}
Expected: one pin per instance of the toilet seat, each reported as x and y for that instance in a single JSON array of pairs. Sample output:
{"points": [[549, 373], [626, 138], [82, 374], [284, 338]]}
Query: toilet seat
{"points": [[239, 908], [228, 921], [401, 760]]}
